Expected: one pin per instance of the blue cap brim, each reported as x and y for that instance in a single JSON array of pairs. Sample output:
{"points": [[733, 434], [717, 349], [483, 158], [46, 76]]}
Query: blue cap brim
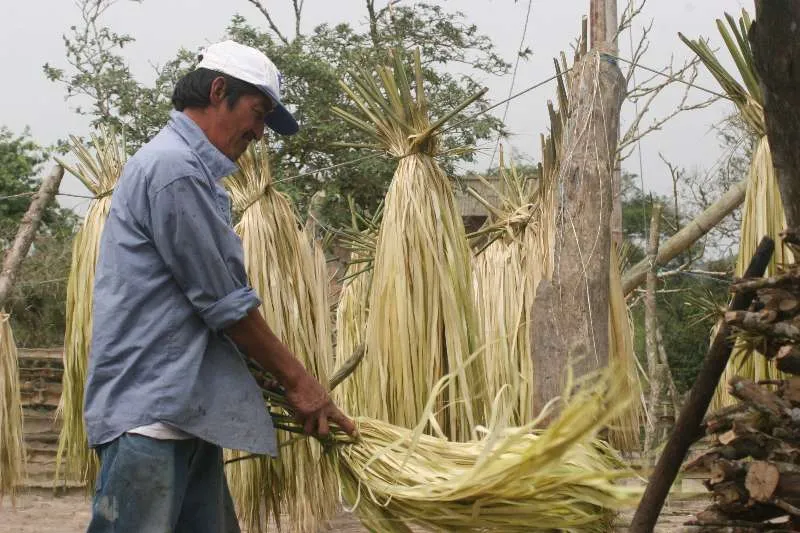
{"points": [[279, 119]]}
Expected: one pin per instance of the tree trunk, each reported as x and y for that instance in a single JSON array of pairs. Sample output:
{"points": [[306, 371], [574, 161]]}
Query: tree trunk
{"points": [[675, 397], [776, 50], [579, 297], [603, 35], [27, 231], [651, 324], [688, 235]]}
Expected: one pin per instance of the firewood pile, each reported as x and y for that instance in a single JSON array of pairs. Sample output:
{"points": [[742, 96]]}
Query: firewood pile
{"points": [[753, 463]]}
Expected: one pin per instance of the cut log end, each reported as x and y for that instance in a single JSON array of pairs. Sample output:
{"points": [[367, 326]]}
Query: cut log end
{"points": [[762, 480]]}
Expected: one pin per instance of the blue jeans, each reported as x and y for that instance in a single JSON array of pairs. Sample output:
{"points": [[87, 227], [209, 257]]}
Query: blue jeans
{"points": [[161, 486]]}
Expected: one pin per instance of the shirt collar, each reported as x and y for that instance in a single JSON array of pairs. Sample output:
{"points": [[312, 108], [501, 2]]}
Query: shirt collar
{"points": [[218, 163]]}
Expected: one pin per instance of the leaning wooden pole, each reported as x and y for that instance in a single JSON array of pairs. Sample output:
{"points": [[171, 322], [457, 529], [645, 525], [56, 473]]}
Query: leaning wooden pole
{"points": [[27, 231], [571, 322], [688, 426], [688, 235], [12, 457], [776, 51]]}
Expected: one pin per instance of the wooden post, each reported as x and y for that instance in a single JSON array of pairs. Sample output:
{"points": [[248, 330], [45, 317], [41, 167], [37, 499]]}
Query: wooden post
{"points": [[776, 51], [688, 235], [687, 428], [576, 301], [650, 323], [27, 231]]}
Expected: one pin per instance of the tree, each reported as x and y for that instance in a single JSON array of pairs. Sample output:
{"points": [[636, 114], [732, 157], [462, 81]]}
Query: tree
{"points": [[312, 65], [689, 288], [775, 47], [36, 303]]}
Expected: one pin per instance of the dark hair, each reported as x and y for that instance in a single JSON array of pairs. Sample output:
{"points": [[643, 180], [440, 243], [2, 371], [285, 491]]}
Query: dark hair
{"points": [[194, 88]]}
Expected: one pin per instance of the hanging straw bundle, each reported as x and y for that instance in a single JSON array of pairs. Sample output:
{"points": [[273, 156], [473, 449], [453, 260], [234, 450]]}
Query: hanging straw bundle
{"points": [[352, 310], [421, 321], [98, 169], [624, 431], [763, 213], [284, 270], [507, 272], [12, 454]]}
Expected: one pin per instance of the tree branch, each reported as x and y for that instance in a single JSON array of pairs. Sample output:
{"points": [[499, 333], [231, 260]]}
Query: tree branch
{"points": [[272, 25]]}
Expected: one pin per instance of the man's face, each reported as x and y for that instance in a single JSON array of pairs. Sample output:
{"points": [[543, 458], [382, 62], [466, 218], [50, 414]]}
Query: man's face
{"points": [[233, 128]]}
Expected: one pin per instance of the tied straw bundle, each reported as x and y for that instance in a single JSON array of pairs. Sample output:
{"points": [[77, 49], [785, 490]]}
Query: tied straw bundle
{"points": [[98, 169], [351, 311], [284, 269], [763, 213], [12, 455], [421, 320], [507, 272]]}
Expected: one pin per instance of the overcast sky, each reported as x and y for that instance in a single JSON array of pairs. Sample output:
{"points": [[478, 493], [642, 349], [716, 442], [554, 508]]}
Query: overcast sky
{"points": [[33, 29]]}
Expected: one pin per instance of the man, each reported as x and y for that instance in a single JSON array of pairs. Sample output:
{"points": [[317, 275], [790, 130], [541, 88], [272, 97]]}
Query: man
{"points": [[167, 386]]}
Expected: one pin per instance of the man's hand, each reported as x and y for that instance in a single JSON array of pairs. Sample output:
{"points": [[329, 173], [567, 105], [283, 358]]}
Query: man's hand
{"points": [[312, 405], [314, 408]]}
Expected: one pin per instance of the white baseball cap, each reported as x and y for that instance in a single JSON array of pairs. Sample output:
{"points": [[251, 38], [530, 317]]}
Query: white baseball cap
{"points": [[251, 66]]}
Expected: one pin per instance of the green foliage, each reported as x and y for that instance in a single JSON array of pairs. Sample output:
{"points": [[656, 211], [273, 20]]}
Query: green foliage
{"points": [[36, 303], [312, 66]]}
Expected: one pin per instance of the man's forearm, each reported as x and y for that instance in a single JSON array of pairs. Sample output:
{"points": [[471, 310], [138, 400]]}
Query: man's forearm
{"points": [[253, 335]]}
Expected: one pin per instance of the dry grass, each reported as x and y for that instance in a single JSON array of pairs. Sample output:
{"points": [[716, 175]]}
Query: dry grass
{"points": [[421, 321], [288, 273], [98, 168], [510, 479], [12, 456]]}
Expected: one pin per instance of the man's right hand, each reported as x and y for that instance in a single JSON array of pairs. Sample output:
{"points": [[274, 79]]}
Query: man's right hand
{"points": [[311, 402], [314, 408]]}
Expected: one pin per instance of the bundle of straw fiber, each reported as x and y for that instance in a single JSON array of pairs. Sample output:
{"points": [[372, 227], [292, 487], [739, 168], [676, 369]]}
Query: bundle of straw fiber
{"points": [[421, 321], [98, 169], [12, 456], [285, 272], [506, 274], [624, 431], [508, 479], [352, 311], [763, 209]]}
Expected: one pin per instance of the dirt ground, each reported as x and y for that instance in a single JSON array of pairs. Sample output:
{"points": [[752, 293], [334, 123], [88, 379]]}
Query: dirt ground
{"points": [[39, 511]]}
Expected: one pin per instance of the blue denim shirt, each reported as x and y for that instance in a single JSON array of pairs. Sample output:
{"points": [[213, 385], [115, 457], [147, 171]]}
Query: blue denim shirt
{"points": [[170, 277]]}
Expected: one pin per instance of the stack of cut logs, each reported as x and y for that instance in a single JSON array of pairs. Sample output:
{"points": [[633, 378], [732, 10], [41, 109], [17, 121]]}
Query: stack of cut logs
{"points": [[754, 460]]}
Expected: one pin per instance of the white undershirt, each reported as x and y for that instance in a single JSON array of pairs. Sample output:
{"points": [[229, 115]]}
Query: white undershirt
{"points": [[161, 431]]}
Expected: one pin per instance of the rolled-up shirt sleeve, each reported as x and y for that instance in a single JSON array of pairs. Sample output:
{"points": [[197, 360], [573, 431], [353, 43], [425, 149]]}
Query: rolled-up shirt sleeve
{"points": [[202, 251]]}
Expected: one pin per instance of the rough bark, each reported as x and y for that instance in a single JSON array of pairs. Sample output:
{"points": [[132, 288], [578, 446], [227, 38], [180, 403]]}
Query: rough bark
{"points": [[688, 235], [776, 50], [579, 305], [27, 231], [603, 35], [788, 359], [673, 390]]}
